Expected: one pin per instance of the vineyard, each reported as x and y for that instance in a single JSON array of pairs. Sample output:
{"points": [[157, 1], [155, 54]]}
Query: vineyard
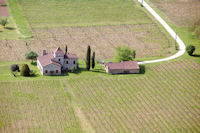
{"points": [[36, 106], [165, 100], [148, 41]]}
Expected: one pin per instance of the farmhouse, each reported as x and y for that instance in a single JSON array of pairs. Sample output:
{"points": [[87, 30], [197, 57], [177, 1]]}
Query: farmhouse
{"points": [[53, 63], [122, 67]]}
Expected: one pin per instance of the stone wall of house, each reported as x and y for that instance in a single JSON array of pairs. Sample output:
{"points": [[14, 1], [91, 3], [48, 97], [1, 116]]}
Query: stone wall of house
{"points": [[118, 71], [69, 63], [59, 58], [51, 70]]}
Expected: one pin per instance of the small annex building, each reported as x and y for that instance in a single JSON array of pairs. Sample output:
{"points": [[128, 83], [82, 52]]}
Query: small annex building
{"points": [[54, 62], [124, 67]]}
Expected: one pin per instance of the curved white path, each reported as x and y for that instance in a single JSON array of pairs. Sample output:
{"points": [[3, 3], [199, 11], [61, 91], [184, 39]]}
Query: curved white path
{"points": [[171, 32]]}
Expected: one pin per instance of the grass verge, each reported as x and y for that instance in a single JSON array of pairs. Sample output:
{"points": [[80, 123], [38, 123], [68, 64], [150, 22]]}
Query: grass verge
{"points": [[19, 18]]}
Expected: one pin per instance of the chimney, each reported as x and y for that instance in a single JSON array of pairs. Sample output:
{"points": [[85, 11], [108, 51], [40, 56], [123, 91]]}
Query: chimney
{"points": [[44, 52]]}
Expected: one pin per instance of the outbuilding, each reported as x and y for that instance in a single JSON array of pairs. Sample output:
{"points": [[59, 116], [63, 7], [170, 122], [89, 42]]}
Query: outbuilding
{"points": [[124, 67]]}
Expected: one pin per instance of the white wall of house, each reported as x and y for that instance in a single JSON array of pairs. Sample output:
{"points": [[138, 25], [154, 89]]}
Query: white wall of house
{"points": [[47, 70], [40, 67]]}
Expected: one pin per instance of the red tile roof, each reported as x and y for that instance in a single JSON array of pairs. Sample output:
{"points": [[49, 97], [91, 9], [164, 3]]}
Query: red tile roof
{"points": [[126, 65], [47, 59], [70, 56], [59, 51]]}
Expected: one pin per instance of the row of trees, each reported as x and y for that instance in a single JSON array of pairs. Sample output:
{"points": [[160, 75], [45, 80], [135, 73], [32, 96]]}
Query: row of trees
{"points": [[88, 59]]}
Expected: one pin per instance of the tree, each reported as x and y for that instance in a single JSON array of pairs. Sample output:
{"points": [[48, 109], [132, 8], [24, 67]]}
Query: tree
{"points": [[133, 54], [4, 22], [124, 54], [25, 71], [93, 60], [88, 58], [31, 55], [66, 49], [14, 68], [190, 49]]}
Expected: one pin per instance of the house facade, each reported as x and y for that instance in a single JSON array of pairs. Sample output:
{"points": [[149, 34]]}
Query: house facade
{"points": [[53, 63], [126, 67]]}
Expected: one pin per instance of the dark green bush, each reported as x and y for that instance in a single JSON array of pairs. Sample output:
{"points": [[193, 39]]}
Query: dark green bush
{"points": [[25, 71], [190, 49]]}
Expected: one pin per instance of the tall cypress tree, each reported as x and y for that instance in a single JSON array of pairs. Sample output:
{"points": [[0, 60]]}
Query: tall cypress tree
{"points": [[88, 58], [93, 60], [66, 49]]}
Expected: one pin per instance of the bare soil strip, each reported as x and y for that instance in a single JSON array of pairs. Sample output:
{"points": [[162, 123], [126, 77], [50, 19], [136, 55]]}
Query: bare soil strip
{"points": [[4, 11], [83, 121]]}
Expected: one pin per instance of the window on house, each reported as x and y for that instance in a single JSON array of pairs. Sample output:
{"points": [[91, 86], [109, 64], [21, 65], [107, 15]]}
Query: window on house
{"points": [[56, 71], [59, 59], [66, 62], [46, 71], [74, 62]]}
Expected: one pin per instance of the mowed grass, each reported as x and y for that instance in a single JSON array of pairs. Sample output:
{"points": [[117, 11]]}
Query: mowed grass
{"points": [[36, 106], [54, 13], [166, 99], [11, 31]]}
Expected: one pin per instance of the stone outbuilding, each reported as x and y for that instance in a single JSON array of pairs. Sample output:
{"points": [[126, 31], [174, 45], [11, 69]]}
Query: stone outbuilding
{"points": [[124, 67], [53, 63]]}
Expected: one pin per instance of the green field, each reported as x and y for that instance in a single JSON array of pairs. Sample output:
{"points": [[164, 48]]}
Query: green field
{"points": [[36, 106], [45, 13], [164, 97], [168, 101]]}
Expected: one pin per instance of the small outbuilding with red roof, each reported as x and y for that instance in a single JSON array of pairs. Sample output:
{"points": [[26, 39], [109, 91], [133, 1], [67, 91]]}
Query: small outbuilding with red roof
{"points": [[124, 67]]}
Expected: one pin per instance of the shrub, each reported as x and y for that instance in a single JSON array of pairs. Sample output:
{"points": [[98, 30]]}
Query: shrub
{"points": [[25, 71], [14, 68], [124, 53], [4, 22], [72, 69], [190, 49]]}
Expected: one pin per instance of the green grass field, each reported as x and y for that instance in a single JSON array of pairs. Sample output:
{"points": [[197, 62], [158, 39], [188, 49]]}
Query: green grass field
{"points": [[164, 97], [164, 100], [36, 106], [44, 13], [168, 100], [11, 31]]}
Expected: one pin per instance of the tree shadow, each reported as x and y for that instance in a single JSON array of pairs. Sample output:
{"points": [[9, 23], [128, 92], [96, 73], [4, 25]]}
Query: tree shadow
{"points": [[142, 69], [34, 63], [196, 55], [9, 28]]}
